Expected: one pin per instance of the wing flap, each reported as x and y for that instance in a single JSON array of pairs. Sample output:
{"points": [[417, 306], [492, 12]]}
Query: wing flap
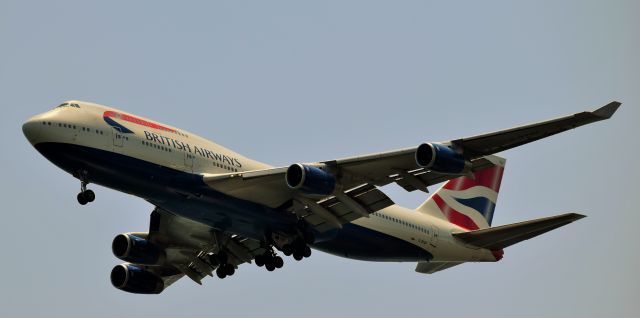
{"points": [[499, 237], [187, 245], [370, 198]]}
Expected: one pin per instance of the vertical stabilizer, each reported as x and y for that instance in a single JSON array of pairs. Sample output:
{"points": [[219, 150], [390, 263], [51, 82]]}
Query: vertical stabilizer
{"points": [[468, 201]]}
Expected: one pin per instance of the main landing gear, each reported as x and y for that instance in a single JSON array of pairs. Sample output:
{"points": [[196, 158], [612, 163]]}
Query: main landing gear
{"points": [[269, 260], [298, 248], [224, 268], [85, 196]]}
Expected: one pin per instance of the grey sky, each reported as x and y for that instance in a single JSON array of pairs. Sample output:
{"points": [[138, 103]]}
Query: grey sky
{"points": [[292, 81]]}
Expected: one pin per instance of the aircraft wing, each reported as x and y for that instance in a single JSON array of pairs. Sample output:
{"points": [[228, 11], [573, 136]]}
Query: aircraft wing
{"points": [[188, 245], [413, 168], [494, 142]]}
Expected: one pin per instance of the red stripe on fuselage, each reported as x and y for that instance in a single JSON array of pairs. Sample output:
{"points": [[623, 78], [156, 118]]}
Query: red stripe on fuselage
{"points": [[137, 120], [490, 178], [454, 216]]}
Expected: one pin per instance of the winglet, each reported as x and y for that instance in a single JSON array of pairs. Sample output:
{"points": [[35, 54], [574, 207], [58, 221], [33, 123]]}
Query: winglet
{"points": [[607, 110]]}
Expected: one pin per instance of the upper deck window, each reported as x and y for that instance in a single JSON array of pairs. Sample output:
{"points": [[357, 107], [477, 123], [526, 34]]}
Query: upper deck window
{"points": [[74, 105]]}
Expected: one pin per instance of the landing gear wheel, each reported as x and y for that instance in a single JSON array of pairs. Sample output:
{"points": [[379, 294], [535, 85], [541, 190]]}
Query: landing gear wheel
{"points": [[278, 262], [230, 270], [287, 249], [220, 272], [298, 256], [306, 252], [270, 266], [89, 195], [260, 260], [81, 198]]}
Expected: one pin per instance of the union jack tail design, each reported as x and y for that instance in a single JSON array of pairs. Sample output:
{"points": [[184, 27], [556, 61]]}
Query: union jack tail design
{"points": [[468, 201]]}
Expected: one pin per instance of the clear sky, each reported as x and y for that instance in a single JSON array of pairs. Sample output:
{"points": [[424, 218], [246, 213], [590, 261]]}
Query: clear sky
{"points": [[296, 81]]}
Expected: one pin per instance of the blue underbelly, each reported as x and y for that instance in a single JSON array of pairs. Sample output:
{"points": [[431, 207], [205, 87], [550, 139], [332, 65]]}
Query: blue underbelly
{"points": [[185, 194], [181, 193], [358, 242]]}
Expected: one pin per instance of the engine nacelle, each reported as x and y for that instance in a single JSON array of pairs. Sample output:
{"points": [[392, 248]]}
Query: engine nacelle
{"points": [[310, 179], [134, 249], [440, 158], [135, 279]]}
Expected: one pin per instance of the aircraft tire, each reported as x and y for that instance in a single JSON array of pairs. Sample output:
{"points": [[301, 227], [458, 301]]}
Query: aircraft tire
{"points": [[89, 195], [221, 273], [260, 260], [287, 249], [278, 262], [270, 266], [81, 198], [229, 270]]}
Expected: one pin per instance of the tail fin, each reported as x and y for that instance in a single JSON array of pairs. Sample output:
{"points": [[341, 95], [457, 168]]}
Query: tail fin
{"points": [[468, 201]]}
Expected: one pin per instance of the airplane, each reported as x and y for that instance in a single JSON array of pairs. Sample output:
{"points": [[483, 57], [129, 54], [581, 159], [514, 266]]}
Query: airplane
{"points": [[215, 209]]}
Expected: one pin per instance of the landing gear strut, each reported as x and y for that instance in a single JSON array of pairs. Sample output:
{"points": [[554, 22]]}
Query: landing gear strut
{"points": [[85, 196]]}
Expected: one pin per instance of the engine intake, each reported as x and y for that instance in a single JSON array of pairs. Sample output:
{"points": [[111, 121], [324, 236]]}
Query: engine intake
{"points": [[310, 179], [135, 279], [440, 158], [134, 249]]}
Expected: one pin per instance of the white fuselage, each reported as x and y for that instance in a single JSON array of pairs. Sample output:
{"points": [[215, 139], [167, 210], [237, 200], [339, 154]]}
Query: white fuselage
{"points": [[88, 125]]}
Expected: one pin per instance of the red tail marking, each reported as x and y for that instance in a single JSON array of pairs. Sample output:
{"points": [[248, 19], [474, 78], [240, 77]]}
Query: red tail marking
{"points": [[490, 178], [454, 216], [498, 254]]}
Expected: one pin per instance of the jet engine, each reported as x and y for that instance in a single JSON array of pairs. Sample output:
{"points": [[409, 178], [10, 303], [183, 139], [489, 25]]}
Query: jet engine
{"points": [[135, 279], [441, 158], [311, 180], [135, 249]]}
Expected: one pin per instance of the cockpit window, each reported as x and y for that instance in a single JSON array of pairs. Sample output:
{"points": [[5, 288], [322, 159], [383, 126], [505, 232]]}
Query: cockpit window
{"points": [[74, 105]]}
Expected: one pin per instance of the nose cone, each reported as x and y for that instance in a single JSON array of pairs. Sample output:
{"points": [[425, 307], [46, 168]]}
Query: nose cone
{"points": [[31, 129]]}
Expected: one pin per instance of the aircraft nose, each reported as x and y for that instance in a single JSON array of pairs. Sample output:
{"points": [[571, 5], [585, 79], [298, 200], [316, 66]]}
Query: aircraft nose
{"points": [[31, 128]]}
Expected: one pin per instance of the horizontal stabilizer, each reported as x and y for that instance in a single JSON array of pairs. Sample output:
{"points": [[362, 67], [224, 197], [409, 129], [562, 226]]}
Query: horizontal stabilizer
{"points": [[499, 237], [430, 268]]}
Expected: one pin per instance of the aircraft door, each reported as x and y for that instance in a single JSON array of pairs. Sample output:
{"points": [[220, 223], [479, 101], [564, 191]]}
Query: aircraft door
{"points": [[188, 161], [118, 138], [433, 235]]}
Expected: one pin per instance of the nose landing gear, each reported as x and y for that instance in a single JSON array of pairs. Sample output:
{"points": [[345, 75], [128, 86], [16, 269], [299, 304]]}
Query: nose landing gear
{"points": [[85, 196]]}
